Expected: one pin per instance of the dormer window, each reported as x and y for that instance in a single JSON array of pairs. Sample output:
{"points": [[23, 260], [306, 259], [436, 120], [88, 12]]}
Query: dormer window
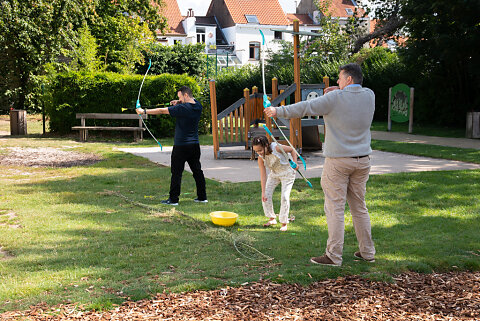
{"points": [[251, 18], [349, 11]]}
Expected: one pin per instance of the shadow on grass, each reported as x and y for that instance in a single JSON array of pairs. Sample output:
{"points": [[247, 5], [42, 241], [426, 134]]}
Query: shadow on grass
{"points": [[100, 249]]}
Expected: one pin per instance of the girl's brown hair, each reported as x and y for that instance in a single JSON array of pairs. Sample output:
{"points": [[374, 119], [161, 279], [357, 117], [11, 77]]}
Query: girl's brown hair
{"points": [[262, 141]]}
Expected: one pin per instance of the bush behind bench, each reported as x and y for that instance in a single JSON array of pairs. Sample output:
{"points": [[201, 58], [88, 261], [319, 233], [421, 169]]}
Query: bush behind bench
{"points": [[103, 92]]}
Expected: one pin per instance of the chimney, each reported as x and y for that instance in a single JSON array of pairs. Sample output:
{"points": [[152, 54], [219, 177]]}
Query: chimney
{"points": [[190, 13]]}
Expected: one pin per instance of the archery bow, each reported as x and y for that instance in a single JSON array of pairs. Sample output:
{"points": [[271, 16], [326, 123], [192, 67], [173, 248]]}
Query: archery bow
{"points": [[149, 106], [290, 160], [266, 104], [137, 106]]}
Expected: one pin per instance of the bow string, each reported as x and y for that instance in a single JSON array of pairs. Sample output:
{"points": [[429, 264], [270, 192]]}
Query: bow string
{"points": [[267, 103], [137, 105]]}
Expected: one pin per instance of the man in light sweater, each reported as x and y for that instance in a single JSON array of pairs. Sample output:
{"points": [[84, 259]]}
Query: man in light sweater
{"points": [[348, 112]]}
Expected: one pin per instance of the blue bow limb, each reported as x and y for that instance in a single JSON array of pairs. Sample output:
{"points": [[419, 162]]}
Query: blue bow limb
{"points": [[138, 105], [267, 103]]}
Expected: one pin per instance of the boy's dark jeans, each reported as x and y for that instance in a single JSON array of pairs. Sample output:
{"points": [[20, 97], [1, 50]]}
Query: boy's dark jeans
{"points": [[191, 155]]}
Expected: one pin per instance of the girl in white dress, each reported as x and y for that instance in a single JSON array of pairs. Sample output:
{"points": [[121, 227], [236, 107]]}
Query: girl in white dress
{"points": [[271, 157]]}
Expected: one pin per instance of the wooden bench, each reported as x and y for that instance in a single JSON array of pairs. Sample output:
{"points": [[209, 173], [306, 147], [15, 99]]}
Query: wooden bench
{"points": [[83, 130]]}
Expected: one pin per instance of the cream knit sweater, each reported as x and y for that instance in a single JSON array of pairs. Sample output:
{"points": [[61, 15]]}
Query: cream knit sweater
{"points": [[348, 115]]}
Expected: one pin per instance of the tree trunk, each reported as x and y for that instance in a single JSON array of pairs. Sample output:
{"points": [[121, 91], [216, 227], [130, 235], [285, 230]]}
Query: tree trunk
{"points": [[389, 28]]}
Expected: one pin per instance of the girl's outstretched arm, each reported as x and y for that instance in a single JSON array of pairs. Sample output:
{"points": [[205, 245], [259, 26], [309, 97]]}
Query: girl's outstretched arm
{"points": [[287, 149]]}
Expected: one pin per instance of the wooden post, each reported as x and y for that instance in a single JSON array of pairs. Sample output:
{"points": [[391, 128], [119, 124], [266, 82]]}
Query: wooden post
{"points": [[246, 113], [326, 81], [389, 121], [231, 126], [236, 125], [268, 120], [254, 110], [296, 124], [410, 120], [213, 109]]}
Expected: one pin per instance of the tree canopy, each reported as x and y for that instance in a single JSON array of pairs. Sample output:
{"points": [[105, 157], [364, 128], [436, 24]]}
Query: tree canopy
{"points": [[440, 51], [33, 33]]}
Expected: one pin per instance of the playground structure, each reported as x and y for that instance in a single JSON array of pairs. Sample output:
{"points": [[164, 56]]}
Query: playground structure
{"points": [[239, 123], [233, 126]]}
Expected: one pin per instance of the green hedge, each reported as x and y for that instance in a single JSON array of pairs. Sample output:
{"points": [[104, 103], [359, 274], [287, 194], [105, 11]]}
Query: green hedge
{"points": [[381, 69], [79, 92]]}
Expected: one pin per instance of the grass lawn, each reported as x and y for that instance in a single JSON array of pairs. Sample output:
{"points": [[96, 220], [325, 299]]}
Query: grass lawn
{"points": [[65, 237], [421, 129]]}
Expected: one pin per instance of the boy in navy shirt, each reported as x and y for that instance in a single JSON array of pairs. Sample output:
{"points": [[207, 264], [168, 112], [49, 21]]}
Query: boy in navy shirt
{"points": [[186, 146]]}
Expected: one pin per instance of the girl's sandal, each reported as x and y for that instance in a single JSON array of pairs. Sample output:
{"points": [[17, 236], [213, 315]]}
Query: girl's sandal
{"points": [[283, 228]]}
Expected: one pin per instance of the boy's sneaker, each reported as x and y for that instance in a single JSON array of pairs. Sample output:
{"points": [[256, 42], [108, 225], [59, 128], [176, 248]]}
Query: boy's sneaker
{"points": [[359, 255], [168, 202], [200, 201], [323, 260]]}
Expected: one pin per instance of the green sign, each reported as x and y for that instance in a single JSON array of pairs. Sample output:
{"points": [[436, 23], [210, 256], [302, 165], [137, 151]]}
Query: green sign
{"points": [[400, 103]]}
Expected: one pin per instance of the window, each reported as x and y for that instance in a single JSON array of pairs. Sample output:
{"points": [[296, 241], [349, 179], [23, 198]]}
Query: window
{"points": [[277, 35], [177, 42], [254, 47], [349, 11], [251, 18], [200, 35]]}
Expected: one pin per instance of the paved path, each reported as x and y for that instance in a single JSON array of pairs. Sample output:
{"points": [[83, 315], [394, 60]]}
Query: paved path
{"points": [[432, 140], [243, 170]]}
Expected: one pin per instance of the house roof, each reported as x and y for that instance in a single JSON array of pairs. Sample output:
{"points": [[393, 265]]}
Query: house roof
{"points": [[202, 20], [268, 12], [174, 18], [338, 8], [304, 19]]}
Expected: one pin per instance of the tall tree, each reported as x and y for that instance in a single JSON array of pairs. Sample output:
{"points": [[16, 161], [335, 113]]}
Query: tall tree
{"points": [[442, 50], [32, 33], [388, 17]]}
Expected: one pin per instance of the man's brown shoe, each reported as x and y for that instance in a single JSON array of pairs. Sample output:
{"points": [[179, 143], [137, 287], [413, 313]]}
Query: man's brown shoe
{"points": [[323, 260], [359, 255]]}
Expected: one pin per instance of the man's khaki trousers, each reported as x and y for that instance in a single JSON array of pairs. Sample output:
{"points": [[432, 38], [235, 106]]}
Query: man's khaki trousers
{"points": [[345, 179]]}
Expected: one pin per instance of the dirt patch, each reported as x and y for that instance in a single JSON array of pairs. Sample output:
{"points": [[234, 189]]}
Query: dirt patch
{"points": [[9, 219], [4, 255], [413, 296], [45, 157]]}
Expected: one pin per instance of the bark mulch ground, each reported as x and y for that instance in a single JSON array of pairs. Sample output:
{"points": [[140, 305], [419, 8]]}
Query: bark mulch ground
{"points": [[45, 157], [413, 296]]}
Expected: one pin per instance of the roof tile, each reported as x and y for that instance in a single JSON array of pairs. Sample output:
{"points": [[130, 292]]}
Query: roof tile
{"points": [[337, 8], [174, 18], [268, 12], [304, 19]]}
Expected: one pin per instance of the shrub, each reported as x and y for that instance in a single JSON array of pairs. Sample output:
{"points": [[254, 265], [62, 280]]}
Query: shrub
{"points": [[103, 92], [382, 69], [176, 59], [231, 83]]}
